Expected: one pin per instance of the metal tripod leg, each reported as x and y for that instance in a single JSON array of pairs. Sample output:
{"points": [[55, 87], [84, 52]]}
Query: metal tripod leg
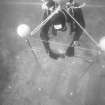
{"points": [[35, 56]]}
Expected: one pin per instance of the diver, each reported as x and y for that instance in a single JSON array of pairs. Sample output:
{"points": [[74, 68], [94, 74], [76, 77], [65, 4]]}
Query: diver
{"points": [[58, 23]]}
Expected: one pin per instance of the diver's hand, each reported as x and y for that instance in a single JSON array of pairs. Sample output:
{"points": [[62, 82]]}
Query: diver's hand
{"points": [[70, 51]]}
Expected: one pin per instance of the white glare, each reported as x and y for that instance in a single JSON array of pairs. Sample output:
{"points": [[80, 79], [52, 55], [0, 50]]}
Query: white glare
{"points": [[102, 43], [23, 30]]}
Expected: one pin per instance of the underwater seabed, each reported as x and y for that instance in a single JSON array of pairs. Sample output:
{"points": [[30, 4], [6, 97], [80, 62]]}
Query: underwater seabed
{"points": [[69, 81]]}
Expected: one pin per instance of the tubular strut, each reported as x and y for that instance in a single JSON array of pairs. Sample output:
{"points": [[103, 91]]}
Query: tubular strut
{"points": [[86, 32], [35, 30]]}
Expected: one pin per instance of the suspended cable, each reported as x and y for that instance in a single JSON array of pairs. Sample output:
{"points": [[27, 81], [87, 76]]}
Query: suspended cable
{"points": [[86, 32]]}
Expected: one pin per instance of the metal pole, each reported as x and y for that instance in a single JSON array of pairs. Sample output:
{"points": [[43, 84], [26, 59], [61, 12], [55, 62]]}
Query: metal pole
{"points": [[90, 36], [33, 52]]}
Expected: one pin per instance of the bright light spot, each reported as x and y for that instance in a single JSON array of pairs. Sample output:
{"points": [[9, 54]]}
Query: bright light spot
{"points": [[102, 43], [59, 26], [44, 6], [23, 30], [71, 93], [61, 51], [103, 66]]}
